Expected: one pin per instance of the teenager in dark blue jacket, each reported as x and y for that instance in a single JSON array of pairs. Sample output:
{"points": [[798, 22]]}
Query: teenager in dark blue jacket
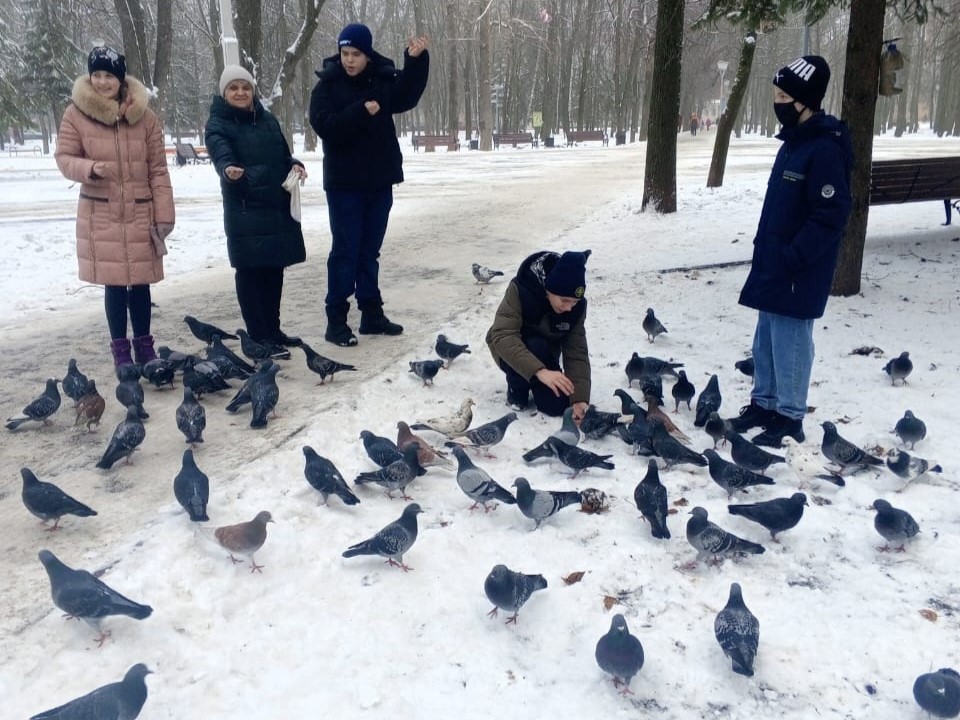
{"points": [[795, 250], [352, 110]]}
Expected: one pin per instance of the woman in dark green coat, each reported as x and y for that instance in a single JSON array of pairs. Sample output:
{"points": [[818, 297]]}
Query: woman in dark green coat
{"points": [[253, 160]]}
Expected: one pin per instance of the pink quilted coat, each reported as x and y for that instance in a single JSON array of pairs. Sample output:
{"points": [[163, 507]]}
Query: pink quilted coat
{"points": [[115, 212]]}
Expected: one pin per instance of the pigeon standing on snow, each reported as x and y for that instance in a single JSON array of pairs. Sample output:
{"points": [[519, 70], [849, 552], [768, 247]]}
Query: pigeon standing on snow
{"points": [[775, 515], [159, 372], [629, 406], [264, 395], [738, 632], [651, 499], [747, 366], [597, 424], [910, 429], [191, 487], [939, 693], [477, 484], [381, 450], [40, 408], [206, 331], [129, 392], [710, 540], [483, 275], [243, 396], [578, 459], [682, 391], [634, 369], [716, 427], [74, 383], [117, 701], [620, 654], [486, 435], [670, 449], [509, 590], [749, 456], [260, 351], [324, 477], [427, 456], [449, 351], [538, 505], [652, 326], [127, 437], [568, 433], [397, 475], [807, 462], [708, 402], [894, 525], [48, 502], [191, 418], [392, 541], [205, 377], [216, 349], [81, 595], [899, 368], [844, 453], [732, 477], [323, 366], [450, 424], [90, 407], [426, 370], [245, 539], [904, 465]]}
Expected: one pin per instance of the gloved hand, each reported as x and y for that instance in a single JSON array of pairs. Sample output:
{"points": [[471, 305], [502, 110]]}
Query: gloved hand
{"points": [[161, 230]]}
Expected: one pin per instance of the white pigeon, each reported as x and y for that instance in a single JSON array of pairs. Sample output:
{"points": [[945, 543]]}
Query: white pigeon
{"points": [[807, 462], [450, 424]]}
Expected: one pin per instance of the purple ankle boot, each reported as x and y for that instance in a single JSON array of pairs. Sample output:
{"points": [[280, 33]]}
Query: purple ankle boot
{"points": [[120, 349], [143, 351]]}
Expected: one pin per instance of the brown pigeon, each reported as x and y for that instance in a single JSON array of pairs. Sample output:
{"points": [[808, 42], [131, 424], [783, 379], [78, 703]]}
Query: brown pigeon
{"points": [[90, 407], [245, 538], [654, 411], [427, 456]]}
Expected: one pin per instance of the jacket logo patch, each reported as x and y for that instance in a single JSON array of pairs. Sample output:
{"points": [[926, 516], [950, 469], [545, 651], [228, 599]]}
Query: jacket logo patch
{"points": [[793, 176], [828, 191], [578, 292]]}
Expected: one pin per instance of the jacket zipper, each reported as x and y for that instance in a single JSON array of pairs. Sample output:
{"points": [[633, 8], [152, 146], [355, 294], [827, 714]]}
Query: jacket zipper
{"points": [[123, 203]]}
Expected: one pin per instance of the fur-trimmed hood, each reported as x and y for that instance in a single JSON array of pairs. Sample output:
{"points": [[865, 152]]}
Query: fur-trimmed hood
{"points": [[106, 111]]}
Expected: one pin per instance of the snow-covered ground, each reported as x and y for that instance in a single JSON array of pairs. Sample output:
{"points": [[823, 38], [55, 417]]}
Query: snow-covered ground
{"points": [[842, 632]]}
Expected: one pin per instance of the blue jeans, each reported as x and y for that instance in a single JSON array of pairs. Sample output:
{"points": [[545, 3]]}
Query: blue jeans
{"points": [[358, 223], [783, 361]]}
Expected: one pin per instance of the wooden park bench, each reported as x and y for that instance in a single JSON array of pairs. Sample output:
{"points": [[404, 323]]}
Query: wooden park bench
{"points": [[513, 139], [575, 136], [187, 153], [17, 150], [432, 142], [915, 180]]}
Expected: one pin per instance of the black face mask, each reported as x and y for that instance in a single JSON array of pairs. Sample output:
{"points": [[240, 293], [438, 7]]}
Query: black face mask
{"points": [[787, 114]]}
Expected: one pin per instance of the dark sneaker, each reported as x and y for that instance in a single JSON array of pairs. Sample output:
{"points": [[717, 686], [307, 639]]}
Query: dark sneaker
{"points": [[378, 324], [751, 416], [281, 338], [275, 351], [518, 401], [777, 428], [340, 334]]}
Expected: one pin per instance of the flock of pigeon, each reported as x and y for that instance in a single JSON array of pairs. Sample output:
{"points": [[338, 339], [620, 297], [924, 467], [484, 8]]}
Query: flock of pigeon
{"points": [[643, 425]]}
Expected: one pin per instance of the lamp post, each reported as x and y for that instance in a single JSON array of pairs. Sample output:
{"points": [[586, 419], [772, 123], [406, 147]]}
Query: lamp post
{"points": [[722, 67]]}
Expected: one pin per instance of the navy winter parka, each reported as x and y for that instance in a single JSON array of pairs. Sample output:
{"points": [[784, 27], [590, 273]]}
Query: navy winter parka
{"points": [[801, 225], [360, 150], [256, 208]]}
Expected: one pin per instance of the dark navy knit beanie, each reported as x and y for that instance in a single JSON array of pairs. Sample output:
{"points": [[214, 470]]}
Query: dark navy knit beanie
{"points": [[805, 80], [107, 59], [568, 276], [356, 36]]}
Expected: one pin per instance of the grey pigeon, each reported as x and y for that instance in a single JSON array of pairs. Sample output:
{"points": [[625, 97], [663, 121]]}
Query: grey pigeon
{"points": [[656, 366], [159, 372], [117, 701], [392, 541], [204, 377], [629, 406], [206, 331], [710, 540], [652, 326], [264, 395], [682, 391], [450, 424], [486, 435], [126, 438], [226, 367], [746, 366], [324, 477], [844, 453], [939, 693], [899, 368], [904, 465], [191, 487], [216, 349], [483, 275], [738, 632], [243, 396], [90, 407], [670, 449], [568, 433], [749, 456], [894, 525], [40, 408], [732, 477], [256, 350], [477, 484], [708, 402], [716, 427], [910, 429], [129, 392], [596, 424], [509, 590], [620, 654], [634, 369], [74, 383], [381, 450], [323, 366], [245, 539], [397, 475], [651, 499], [775, 515], [538, 505], [191, 418], [638, 435], [81, 595], [426, 370], [578, 459], [652, 385], [48, 502], [449, 351], [178, 359]]}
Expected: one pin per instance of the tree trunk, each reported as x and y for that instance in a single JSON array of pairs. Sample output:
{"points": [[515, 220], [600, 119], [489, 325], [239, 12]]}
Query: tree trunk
{"points": [[134, 34], [161, 61], [860, 81], [296, 50], [484, 66], [660, 173], [549, 74], [729, 118], [248, 25], [453, 110]]}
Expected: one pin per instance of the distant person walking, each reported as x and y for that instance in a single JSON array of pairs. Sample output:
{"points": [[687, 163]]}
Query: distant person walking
{"points": [[694, 124], [112, 144], [351, 109], [253, 160], [795, 249], [707, 123]]}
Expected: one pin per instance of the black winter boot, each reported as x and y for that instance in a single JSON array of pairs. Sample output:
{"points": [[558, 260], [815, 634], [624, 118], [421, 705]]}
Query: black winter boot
{"points": [[777, 428], [751, 416], [374, 322], [338, 332]]}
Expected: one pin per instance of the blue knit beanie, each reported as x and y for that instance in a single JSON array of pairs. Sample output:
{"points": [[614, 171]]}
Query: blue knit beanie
{"points": [[568, 276], [356, 36], [107, 59]]}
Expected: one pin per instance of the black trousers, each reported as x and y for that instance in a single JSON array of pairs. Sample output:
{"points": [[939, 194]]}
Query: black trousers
{"points": [[259, 291], [118, 301], [519, 389]]}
